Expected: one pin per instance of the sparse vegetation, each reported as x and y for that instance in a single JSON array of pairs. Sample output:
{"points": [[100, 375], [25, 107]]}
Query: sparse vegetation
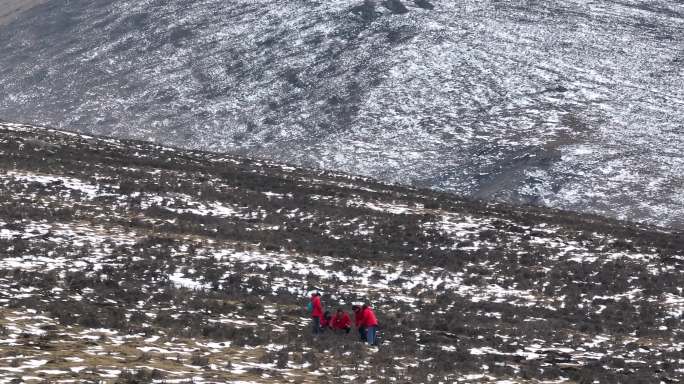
{"points": [[153, 264]]}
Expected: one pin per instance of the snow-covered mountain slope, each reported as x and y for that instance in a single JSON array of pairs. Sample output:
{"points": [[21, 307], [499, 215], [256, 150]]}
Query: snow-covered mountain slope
{"points": [[124, 260], [569, 104], [11, 9]]}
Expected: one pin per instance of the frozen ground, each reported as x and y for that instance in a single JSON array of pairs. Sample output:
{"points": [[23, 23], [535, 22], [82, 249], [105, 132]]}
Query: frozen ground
{"points": [[124, 261], [568, 104]]}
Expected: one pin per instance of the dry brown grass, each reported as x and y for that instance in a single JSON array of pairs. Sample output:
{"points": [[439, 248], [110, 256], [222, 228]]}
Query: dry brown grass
{"points": [[64, 346]]}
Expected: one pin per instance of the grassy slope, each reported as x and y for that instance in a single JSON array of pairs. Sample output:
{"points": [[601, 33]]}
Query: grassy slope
{"points": [[189, 265]]}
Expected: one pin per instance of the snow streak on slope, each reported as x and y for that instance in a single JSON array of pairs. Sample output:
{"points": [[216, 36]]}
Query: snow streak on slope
{"points": [[570, 104]]}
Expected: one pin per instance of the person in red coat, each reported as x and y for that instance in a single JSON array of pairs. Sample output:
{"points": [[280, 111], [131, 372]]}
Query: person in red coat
{"points": [[358, 322], [316, 313], [326, 321], [341, 321], [370, 322]]}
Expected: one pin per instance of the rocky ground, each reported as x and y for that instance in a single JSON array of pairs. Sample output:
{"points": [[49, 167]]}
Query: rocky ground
{"points": [[128, 262]]}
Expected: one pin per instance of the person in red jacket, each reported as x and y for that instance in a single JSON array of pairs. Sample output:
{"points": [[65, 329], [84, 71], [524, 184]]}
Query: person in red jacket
{"points": [[341, 321], [326, 321], [316, 313], [370, 322], [358, 322]]}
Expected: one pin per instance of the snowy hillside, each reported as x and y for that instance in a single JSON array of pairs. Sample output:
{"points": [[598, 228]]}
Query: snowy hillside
{"points": [[568, 104], [125, 261]]}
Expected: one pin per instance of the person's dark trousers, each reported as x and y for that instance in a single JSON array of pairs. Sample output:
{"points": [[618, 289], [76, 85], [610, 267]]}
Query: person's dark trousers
{"points": [[362, 333], [346, 330], [372, 333], [316, 325]]}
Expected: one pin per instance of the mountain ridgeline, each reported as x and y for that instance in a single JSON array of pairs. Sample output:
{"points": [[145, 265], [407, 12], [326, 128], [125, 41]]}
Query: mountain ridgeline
{"points": [[567, 104]]}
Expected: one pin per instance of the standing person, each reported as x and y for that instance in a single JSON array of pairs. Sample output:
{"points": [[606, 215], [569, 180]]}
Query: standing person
{"points": [[316, 313], [341, 321], [358, 322], [371, 324]]}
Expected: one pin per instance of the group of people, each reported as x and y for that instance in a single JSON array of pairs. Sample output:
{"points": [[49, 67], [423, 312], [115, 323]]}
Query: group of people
{"points": [[365, 321]]}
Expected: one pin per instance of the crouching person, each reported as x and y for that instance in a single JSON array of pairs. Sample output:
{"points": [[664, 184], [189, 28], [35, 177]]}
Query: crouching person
{"points": [[341, 322], [326, 321]]}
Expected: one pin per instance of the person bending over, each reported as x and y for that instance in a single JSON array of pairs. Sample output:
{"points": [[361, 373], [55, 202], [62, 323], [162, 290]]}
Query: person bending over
{"points": [[370, 322], [326, 321], [358, 322], [341, 322]]}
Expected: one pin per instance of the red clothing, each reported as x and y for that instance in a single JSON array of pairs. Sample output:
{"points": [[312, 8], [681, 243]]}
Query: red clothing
{"points": [[325, 323], [341, 322], [368, 318], [316, 308], [358, 317]]}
